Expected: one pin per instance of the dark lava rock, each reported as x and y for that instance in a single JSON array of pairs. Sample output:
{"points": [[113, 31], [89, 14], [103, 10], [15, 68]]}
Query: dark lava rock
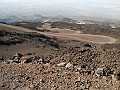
{"points": [[12, 41], [17, 56], [88, 45], [28, 60], [27, 78], [2, 33], [1, 58], [42, 38], [103, 72]]}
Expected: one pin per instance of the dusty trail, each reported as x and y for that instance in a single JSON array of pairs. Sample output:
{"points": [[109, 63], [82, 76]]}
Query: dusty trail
{"points": [[67, 33]]}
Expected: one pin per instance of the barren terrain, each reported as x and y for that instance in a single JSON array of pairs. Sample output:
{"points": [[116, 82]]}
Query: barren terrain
{"points": [[70, 34], [59, 56]]}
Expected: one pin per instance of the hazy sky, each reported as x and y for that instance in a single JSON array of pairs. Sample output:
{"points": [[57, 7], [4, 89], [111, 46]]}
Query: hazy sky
{"points": [[91, 8]]}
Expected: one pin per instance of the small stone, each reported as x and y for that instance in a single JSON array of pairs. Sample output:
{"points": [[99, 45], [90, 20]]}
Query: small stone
{"points": [[27, 78], [31, 86], [42, 81], [69, 65], [105, 77], [77, 73], [92, 72], [82, 87], [99, 72], [61, 64], [79, 68], [9, 61], [53, 88], [87, 86], [78, 79], [47, 65], [40, 61], [2, 85], [16, 58]]}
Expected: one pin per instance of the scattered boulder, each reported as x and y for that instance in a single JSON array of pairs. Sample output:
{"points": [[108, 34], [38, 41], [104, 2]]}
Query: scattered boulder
{"points": [[107, 72], [9, 61], [3, 33], [12, 41], [88, 45], [103, 72], [17, 56], [62, 64], [26, 57], [27, 60]]}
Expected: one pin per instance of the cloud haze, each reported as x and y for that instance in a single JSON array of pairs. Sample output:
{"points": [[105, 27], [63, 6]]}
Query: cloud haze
{"points": [[90, 8]]}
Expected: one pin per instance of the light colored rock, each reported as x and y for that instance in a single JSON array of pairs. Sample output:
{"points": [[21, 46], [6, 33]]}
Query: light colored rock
{"points": [[27, 61], [82, 87], [16, 58], [9, 61], [77, 73], [78, 68], [113, 77], [99, 72], [18, 55], [40, 61], [78, 79], [61, 64], [69, 65], [53, 88], [47, 65], [31, 86], [42, 81], [26, 57]]}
